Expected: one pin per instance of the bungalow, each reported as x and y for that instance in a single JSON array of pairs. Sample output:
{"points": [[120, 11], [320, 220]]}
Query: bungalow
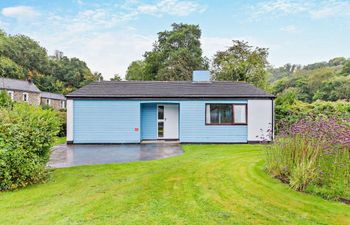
{"points": [[198, 111]]}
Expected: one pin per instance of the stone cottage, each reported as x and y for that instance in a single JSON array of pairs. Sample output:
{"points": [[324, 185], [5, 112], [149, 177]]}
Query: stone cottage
{"points": [[56, 101], [21, 90], [27, 91]]}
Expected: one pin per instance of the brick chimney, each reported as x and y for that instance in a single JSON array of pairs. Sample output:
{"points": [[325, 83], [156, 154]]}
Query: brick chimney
{"points": [[30, 76]]}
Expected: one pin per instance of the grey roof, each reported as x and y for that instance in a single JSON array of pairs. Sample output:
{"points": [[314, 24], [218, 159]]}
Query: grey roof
{"points": [[168, 89], [52, 96], [20, 85]]}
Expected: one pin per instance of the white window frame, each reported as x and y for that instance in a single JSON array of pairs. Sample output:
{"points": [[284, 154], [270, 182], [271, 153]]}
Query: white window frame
{"points": [[48, 101], [26, 98], [63, 104], [11, 94], [233, 119]]}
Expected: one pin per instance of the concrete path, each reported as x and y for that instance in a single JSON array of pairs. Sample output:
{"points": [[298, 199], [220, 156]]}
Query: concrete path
{"points": [[74, 155]]}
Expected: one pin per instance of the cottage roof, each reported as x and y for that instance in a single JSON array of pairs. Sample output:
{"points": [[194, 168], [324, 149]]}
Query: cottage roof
{"points": [[52, 96], [19, 85], [169, 89]]}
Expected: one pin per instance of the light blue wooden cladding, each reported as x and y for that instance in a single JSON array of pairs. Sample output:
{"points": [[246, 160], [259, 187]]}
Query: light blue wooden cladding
{"points": [[106, 121], [148, 121], [119, 121], [193, 128]]}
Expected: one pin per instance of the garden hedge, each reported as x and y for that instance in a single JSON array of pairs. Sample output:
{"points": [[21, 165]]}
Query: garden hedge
{"points": [[26, 137]]}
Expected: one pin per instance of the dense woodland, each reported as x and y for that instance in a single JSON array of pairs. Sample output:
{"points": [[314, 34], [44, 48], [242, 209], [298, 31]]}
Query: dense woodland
{"points": [[21, 56], [329, 81]]}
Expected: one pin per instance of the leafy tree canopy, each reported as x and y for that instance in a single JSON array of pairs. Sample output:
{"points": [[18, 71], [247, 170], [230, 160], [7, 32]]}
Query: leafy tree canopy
{"points": [[175, 54], [241, 62], [328, 81], [116, 78], [21, 54], [136, 71]]}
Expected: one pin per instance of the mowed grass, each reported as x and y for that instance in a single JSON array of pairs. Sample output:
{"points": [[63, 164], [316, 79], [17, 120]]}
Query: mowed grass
{"points": [[209, 184], [59, 140]]}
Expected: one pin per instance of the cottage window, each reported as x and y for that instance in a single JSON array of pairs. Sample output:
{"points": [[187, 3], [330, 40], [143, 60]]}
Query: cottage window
{"points": [[48, 101], [63, 104], [226, 114], [11, 94], [25, 97]]}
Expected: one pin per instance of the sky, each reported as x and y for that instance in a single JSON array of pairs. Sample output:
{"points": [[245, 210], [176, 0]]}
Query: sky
{"points": [[109, 35]]}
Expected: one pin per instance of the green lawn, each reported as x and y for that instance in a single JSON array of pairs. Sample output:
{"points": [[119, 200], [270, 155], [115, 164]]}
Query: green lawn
{"points": [[59, 140], [209, 184]]}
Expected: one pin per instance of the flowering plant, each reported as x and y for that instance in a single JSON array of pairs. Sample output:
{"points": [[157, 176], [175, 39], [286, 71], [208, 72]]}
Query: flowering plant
{"points": [[313, 155]]}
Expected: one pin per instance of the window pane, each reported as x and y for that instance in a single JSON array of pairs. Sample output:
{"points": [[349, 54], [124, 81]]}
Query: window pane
{"points": [[160, 129], [160, 112], [25, 97], [219, 114], [240, 114]]}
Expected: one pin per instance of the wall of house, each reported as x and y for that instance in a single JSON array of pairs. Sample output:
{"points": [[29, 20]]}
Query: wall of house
{"points": [[33, 98], [106, 121], [148, 121], [113, 121], [260, 119], [56, 104], [192, 123], [194, 129]]}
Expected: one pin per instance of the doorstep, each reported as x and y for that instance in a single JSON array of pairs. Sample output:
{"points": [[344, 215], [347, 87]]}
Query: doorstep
{"points": [[160, 142]]}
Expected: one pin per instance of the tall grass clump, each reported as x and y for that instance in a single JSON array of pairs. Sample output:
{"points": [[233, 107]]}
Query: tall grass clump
{"points": [[313, 156]]}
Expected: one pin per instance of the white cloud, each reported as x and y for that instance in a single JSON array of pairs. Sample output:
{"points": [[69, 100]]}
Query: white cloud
{"points": [[284, 6], [277, 8], [289, 29], [100, 36], [79, 2], [315, 9], [20, 12], [211, 45], [171, 7], [331, 9], [105, 52]]}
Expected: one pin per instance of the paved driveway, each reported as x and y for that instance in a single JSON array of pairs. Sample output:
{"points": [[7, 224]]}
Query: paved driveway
{"points": [[74, 155]]}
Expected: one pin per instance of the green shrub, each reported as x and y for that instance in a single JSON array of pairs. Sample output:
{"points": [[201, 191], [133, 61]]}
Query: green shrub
{"points": [[62, 115], [5, 100], [288, 110], [26, 137]]}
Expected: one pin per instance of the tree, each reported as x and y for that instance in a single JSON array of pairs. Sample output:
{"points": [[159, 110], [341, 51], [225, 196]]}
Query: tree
{"points": [[10, 69], [337, 61], [116, 78], [346, 68], [241, 62], [20, 54], [334, 89], [27, 52], [136, 71], [175, 54], [98, 76]]}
